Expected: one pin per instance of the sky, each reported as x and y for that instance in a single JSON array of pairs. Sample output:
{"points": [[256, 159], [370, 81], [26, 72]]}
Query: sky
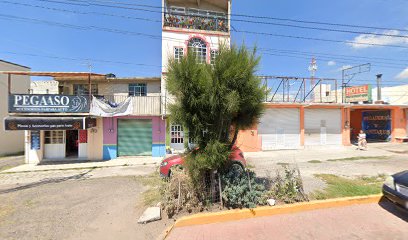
{"points": [[51, 35]]}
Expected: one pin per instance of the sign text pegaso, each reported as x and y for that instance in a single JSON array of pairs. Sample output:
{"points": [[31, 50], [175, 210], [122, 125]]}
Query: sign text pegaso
{"points": [[48, 103]]}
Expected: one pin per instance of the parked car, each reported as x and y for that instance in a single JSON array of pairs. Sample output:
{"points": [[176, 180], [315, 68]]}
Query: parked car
{"points": [[395, 189], [236, 158]]}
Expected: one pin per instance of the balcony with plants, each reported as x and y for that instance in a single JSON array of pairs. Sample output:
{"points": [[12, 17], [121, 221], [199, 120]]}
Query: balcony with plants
{"points": [[196, 19]]}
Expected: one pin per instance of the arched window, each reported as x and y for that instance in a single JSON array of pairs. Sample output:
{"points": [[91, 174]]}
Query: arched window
{"points": [[198, 47]]}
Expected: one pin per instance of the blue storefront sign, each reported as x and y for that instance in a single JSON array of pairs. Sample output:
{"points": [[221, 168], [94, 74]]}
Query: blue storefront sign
{"points": [[35, 140], [377, 125], [48, 103]]}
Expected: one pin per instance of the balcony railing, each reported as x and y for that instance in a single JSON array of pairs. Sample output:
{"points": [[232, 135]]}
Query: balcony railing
{"points": [[196, 22], [142, 105]]}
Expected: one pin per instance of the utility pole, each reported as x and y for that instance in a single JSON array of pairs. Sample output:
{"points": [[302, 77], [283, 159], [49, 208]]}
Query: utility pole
{"points": [[312, 70], [89, 82], [379, 87]]}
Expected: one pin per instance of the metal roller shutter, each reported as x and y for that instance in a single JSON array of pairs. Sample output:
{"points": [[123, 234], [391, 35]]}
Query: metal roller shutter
{"points": [[134, 137], [280, 129], [323, 127]]}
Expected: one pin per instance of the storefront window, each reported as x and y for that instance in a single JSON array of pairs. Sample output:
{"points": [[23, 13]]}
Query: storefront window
{"points": [[137, 89], [83, 89], [54, 137], [177, 134]]}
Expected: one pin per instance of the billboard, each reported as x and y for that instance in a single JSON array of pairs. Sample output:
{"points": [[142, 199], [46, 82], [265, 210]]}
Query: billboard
{"points": [[377, 125], [358, 93], [48, 103]]}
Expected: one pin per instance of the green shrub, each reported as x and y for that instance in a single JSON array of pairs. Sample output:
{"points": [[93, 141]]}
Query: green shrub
{"points": [[241, 190], [213, 157]]}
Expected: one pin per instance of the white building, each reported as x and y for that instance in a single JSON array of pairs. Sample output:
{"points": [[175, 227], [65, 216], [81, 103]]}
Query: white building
{"points": [[11, 142], [44, 87], [191, 24]]}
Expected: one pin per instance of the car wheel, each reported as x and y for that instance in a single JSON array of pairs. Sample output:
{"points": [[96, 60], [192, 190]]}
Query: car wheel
{"points": [[238, 168]]}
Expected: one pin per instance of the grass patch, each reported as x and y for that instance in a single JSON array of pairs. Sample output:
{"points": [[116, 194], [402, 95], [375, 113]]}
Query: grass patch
{"points": [[250, 166], [152, 195], [358, 158], [4, 168], [283, 164], [314, 161], [344, 187]]}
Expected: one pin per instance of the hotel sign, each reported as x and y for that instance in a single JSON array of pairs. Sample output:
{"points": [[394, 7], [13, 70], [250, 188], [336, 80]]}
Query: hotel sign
{"points": [[358, 93], [48, 103]]}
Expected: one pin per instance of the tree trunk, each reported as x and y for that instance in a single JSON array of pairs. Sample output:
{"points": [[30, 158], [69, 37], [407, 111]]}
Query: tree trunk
{"points": [[236, 130]]}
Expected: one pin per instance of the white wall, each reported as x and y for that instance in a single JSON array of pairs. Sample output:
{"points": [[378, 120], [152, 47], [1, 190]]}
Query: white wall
{"points": [[171, 39], [44, 87], [11, 141]]}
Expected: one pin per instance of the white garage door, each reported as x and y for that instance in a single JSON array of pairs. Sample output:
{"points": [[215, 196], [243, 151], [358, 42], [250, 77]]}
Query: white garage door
{"points": [[323, 127], [280, 129]]}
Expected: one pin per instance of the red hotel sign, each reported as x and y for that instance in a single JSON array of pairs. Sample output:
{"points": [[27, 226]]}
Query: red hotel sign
{"points": [[358, 93]]}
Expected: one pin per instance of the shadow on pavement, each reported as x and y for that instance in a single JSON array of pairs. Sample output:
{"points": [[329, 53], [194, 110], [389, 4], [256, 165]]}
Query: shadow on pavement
{"points": [[59, 162], [394, 209], [46, 181]]}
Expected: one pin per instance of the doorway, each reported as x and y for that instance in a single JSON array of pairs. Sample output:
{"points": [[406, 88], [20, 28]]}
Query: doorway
{"points": [[376, 123], [72, 143]]}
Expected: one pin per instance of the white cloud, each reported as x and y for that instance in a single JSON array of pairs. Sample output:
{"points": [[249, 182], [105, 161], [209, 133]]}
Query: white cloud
{"points": [[331, 63], [367, 39], [403, 74]]}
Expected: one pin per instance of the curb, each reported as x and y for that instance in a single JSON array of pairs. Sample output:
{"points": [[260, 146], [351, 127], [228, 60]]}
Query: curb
{"points": [[239, 214]]}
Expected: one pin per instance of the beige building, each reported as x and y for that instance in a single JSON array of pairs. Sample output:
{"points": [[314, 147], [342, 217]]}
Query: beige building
{"points": [[11, 142], [44, 87], [397, 95]]}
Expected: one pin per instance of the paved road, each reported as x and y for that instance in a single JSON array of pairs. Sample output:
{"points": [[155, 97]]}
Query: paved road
{"points": [[374, 162], [76, 207], [367, 221]]}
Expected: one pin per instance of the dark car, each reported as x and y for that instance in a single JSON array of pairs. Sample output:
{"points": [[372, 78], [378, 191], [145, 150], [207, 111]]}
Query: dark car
{"points": [[395, 189], [236, 160]]}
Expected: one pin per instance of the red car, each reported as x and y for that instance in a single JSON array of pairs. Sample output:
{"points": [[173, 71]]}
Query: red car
{"points": [[236, 157]]}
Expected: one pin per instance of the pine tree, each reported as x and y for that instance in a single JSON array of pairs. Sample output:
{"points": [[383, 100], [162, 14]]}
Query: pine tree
{"points": [[215, 101]]}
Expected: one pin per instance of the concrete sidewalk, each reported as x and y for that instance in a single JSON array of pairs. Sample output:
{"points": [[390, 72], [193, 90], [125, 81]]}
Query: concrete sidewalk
{"points": [[329, 152], [125, 161], [361, 221]]}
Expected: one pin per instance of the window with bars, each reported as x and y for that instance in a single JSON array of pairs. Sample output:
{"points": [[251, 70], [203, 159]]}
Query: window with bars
{"points": [[54, 137], [137, 89], [178, 53], [199, 48], [176, 134], [214, 54], [83, 89]]}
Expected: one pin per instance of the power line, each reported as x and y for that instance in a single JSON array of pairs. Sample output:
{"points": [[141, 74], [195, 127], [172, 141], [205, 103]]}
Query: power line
{"points": [[330, 56], [159, 37], [341, 55], [257, 17], [237, 20], [320, 39], [79, 12], [327, 59], [137, 18], [79, 59]]}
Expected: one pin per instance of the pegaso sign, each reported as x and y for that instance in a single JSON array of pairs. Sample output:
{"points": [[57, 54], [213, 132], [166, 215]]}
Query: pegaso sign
{"points": [[48, 103], [358, 93]]}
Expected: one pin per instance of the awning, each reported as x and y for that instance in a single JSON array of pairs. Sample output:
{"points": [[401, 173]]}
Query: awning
{"points": [[48, 123]]}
